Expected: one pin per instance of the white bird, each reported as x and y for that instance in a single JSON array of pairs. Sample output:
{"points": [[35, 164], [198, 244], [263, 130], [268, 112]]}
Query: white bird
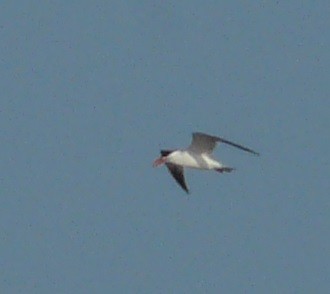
{"points": [[198, 155]]}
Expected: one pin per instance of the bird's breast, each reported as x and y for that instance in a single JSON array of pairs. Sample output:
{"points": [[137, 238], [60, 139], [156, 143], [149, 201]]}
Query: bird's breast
{"points": [[192, 160]]}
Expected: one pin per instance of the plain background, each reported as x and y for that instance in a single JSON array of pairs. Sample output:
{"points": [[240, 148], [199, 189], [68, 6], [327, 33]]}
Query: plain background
{"points": [[91, 90]]}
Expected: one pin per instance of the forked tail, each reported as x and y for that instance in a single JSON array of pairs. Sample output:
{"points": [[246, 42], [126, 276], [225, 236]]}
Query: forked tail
{"points": [[225, 169]]}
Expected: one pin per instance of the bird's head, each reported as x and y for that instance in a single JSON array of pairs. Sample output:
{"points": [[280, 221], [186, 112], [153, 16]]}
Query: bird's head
{"points": [[163, 158]]}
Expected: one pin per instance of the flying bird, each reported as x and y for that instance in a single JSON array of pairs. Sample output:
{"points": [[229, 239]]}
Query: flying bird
{"points": [[198, 155]]}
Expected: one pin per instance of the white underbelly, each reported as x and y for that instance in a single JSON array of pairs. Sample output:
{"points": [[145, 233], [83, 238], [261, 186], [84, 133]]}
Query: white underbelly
{"points": [[202, 161]]}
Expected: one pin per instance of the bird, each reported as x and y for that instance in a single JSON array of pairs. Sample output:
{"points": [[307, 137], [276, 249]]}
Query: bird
{"points": [[198, 156]]}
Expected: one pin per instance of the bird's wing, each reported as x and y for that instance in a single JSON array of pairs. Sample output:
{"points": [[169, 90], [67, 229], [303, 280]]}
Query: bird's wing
{"points": [[203, 143], [222, 140], [177, 173]]}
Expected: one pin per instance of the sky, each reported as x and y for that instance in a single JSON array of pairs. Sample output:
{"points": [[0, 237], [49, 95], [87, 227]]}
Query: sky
{"points": [[92, 90]]}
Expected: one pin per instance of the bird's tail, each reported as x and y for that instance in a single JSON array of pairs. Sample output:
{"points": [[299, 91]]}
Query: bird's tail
{"points": [[225, 169]]}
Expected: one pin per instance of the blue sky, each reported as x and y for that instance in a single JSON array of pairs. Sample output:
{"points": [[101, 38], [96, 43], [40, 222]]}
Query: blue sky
{"points": [[92, 90]]}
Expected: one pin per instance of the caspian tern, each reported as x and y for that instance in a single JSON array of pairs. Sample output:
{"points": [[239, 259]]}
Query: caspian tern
{"points": [[198, 155]]}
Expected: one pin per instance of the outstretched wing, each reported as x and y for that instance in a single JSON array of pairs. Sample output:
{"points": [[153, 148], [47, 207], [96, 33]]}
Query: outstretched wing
{"points": [[238, 146], [177, 173], [203, 143]]}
